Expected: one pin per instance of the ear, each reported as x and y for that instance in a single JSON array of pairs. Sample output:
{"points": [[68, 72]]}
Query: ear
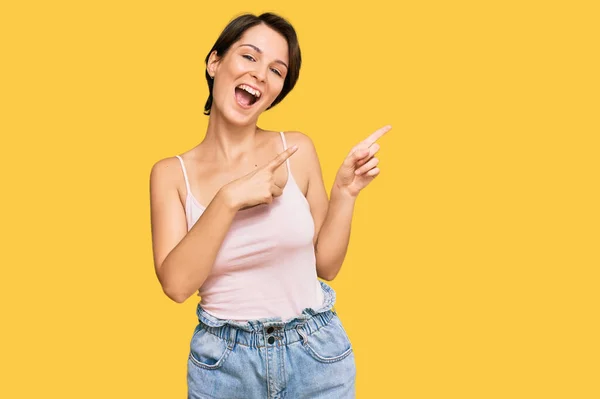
{"points": [[213, 63]]}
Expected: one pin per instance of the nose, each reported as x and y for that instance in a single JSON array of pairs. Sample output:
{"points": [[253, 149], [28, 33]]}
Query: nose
{"points": [[259, 74]]}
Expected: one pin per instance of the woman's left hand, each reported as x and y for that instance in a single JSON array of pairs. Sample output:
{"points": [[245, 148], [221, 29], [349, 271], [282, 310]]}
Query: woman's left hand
{"points": [[360, 166]]}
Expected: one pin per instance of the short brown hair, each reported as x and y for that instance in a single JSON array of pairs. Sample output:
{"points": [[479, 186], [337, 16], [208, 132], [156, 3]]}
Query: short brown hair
{"points": [[232, 33]]}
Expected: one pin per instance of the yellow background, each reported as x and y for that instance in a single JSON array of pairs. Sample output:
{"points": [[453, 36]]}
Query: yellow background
{"points": [[473, 264]]}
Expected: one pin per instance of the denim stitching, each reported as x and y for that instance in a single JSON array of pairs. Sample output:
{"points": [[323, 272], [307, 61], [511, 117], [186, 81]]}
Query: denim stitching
{"points": [[328, 359], [215, 366]]}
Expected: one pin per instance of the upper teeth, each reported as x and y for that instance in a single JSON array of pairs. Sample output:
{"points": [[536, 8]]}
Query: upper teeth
{"points": [[250, 90]]}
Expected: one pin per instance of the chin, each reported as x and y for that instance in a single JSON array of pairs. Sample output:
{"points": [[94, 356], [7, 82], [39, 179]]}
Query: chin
{"points": [[240, 119], [239, 116]]}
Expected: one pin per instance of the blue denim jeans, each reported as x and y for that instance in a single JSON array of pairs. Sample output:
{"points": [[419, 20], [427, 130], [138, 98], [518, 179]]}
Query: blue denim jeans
{"points": [[309, 356]]}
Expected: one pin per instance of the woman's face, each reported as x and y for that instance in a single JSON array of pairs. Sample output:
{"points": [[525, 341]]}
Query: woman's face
{"points": [[250, 76]]}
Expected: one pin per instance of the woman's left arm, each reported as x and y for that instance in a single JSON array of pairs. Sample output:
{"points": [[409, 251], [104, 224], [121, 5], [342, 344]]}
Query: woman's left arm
{"points": [[333, 217]]}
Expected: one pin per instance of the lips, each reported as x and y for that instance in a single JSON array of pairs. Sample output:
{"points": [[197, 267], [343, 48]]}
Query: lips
{"points": [[250, 89], [246, 96]]}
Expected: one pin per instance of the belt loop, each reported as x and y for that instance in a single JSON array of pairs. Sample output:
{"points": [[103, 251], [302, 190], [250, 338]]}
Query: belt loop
{"points": [[302, 333], [232, 337]]}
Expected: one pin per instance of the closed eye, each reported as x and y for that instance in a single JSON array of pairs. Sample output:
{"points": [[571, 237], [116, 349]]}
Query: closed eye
{"points": [[276, 71], [249, 57]]}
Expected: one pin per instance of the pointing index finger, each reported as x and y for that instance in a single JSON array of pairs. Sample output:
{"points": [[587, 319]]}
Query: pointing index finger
{"points": [[376, 135], [281, 158]]}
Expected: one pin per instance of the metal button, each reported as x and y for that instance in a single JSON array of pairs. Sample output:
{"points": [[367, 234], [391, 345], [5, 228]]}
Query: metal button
{"points": [[271, 340], [270, 330]]}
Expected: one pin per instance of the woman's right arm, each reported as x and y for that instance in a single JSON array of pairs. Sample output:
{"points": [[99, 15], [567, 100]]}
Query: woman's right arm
{"points": [[182, 259]]}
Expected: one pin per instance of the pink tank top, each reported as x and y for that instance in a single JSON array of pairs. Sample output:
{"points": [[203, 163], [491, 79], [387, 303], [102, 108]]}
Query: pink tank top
{"points": [[266, 265]]}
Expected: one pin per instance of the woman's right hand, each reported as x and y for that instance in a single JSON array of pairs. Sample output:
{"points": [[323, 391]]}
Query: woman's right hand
{"points": [[257, 187]]}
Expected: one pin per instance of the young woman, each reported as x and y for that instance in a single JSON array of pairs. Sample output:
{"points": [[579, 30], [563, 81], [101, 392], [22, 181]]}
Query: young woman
{"points": [[244, 219]]}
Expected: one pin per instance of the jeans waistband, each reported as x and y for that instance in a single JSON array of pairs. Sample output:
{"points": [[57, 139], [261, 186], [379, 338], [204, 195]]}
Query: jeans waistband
{"points": [[257, 333]]}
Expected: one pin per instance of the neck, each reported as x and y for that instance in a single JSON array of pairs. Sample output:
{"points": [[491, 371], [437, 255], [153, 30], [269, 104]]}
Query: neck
{"points": [[229, 142]]}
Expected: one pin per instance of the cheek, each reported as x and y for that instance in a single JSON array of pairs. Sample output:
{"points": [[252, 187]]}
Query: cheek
{"points": [[220, 92], [238, 65], [276, 87]]}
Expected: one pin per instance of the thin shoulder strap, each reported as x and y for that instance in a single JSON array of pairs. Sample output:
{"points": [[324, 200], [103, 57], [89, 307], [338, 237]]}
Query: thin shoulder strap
{"points": [[287, 161], [187, 182]]}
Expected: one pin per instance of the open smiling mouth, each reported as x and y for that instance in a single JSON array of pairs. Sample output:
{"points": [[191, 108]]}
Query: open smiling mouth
{"points": [[246, 96]]}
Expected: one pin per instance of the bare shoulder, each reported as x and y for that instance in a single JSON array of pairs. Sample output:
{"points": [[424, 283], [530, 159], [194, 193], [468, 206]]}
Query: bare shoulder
{"points": [[298, 138], [306, 153], [305, 162], [165, 171], [165, 175], [306, 148]]}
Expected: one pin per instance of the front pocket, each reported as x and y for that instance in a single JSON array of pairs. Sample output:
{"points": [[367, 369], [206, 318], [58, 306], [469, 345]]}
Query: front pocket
{"points": [[207, 350], [330, 343]]}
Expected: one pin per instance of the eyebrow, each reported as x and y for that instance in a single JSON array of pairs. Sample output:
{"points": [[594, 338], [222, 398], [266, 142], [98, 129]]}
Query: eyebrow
{"points": [[260, 51]]}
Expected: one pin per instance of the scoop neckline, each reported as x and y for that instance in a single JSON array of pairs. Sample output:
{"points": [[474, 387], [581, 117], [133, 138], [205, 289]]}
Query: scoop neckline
{"points": [[202, 207]]}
